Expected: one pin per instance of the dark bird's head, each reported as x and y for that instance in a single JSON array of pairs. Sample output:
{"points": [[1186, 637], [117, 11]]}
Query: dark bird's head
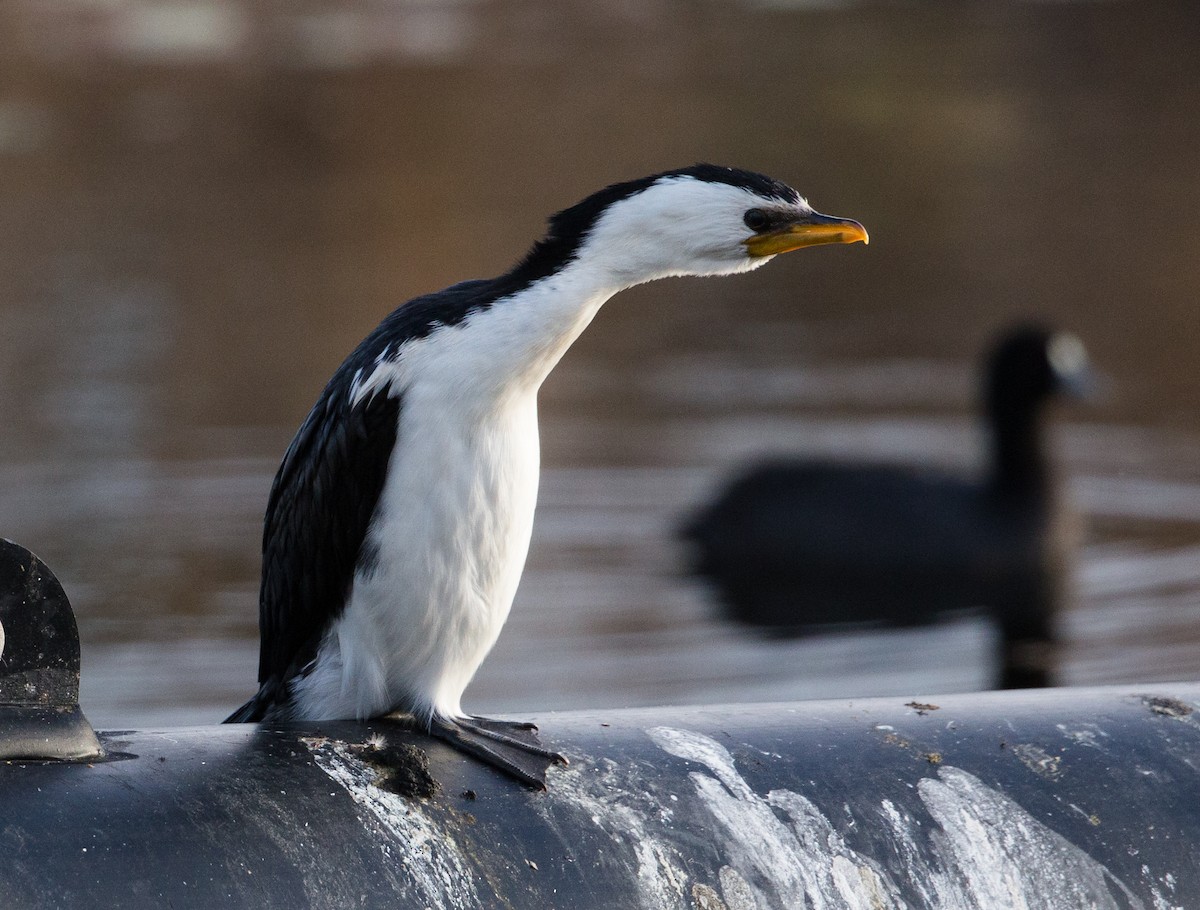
{"points": [[1030, 365], [700, 220]]}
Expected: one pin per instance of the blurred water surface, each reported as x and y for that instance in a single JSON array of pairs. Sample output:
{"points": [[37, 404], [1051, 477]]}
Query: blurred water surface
{"points": [[203, 207]]}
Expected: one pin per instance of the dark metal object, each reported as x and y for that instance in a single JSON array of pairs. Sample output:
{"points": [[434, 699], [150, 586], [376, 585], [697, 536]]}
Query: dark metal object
{"points": [[1058, 798], [39, 665]]}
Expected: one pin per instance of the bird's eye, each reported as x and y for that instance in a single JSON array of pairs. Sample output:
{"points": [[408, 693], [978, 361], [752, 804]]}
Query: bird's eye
{"points": [[756, 219]]}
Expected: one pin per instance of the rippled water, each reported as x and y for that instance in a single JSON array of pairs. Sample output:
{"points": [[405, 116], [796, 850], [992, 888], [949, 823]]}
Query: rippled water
{"points": [[205, 206]]}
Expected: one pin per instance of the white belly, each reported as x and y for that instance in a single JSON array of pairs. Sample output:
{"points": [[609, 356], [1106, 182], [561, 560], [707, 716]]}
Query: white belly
{"points": [[452, 534], [456, 512]]}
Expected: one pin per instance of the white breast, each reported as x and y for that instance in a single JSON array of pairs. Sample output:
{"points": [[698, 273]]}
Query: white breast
{"points": [[455, 517]]}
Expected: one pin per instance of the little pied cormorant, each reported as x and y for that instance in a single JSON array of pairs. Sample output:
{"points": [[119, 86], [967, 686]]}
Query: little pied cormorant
{"points": [[398, 524]]}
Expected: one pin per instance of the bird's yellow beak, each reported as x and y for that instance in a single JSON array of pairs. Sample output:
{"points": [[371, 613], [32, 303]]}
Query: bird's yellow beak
{"points": [[811, 230]]}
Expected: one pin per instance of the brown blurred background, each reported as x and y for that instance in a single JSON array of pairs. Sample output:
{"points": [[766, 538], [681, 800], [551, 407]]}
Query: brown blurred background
{"points": [[204, 205]]}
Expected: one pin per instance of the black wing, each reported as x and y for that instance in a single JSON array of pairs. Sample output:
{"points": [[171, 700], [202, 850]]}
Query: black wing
{"points": [[325, 493], [319, 510]]}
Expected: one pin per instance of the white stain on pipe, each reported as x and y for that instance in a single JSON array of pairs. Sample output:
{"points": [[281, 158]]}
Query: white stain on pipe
{"points": [[986, 853], [440, 875]]}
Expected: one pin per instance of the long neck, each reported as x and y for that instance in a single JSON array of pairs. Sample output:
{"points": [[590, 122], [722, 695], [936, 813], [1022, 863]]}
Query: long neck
{"points": [[528, 332], [1019, 466]]}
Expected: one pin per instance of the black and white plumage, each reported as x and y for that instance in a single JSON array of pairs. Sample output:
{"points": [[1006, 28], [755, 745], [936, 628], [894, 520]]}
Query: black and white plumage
{"points": [[398, 524]]}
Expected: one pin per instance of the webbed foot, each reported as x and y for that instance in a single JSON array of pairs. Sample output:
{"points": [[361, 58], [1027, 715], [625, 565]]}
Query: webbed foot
{"points": [[505, 745]]}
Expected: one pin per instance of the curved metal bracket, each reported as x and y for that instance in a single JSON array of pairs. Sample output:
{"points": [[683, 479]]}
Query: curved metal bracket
{"points": [[40, 718]]}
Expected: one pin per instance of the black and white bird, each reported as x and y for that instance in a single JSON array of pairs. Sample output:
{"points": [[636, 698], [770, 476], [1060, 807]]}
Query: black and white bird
{"points": [[398, 524]]}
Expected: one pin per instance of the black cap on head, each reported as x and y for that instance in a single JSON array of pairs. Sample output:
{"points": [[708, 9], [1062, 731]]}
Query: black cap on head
{"points": [[568, 229]]}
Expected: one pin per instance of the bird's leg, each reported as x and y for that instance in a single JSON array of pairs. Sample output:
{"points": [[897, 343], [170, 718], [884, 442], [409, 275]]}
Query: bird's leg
{"points": [[483, 738]]}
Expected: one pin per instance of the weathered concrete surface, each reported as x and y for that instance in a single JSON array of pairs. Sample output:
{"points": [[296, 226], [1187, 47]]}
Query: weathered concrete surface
{"points": [[1055, 799]]}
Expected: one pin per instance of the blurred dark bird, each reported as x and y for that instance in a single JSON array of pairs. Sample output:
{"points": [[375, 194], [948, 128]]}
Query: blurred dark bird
{"points": [[398, 524], [790, 545]]}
